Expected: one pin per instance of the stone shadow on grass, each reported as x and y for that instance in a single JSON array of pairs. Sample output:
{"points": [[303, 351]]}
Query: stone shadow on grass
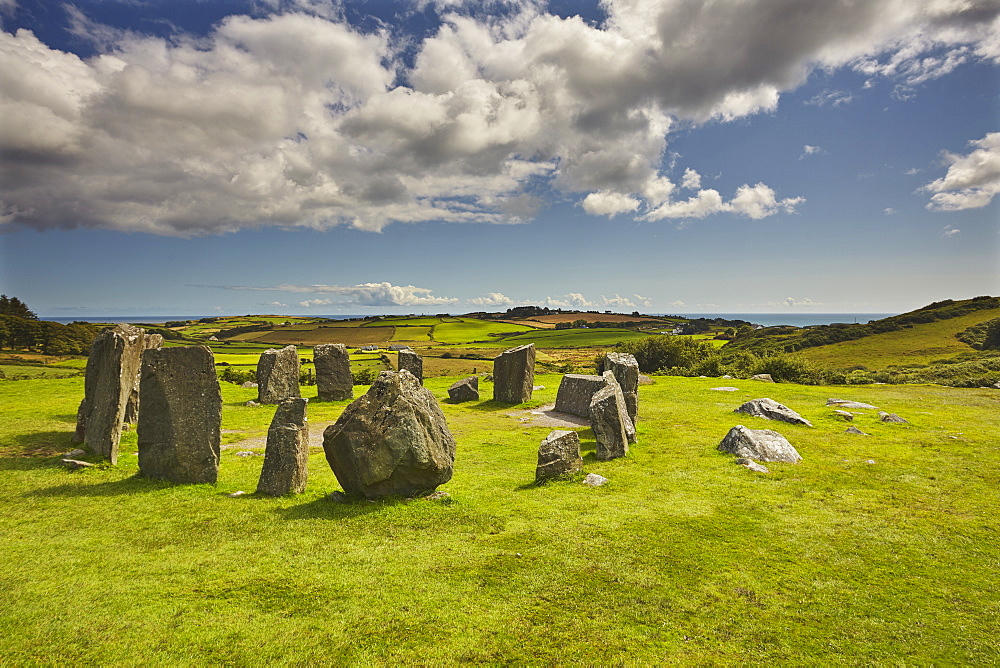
{"points": [[40, 444], [135, 484], [324, 508], [26, 463]]}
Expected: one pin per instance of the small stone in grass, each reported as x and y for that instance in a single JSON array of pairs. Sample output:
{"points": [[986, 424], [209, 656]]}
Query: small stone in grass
{"points": [[594, 480]]}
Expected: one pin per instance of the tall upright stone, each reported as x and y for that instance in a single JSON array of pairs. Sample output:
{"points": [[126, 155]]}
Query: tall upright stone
{"points": [[132, 407], [575, 392], [514, 374], [626, 370], [181, 417], [278, 375], [610, 421], [411, 361], [392, 441], [334, 381], [286, 455], [113, 365]]}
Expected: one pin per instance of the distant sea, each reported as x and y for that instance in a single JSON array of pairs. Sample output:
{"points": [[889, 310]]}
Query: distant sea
{"points": [[765, 319]]}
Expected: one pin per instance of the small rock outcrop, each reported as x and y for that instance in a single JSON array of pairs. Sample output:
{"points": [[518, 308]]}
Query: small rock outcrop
{"points": [[334, 381], [763, 377], [181, 417], [759, 444], [594, 480], [855, 431], [844, 415], [610, 421], [890, 417], [286, 455], [626, 371], [752, 465], [278, 375], [466, 389], [558, 456], [576, 391], [514, 374], [844, 403], [392, 441], [769, 409], [412, 362]]}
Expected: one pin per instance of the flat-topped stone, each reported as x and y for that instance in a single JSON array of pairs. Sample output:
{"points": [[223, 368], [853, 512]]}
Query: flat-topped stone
{"points": [[769, 409], [278, 375], [334, 381], [514, 374], [576, 391], [558, 455]]}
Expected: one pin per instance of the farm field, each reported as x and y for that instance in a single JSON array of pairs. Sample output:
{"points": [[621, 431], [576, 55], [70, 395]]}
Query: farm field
{"points": [[349, 336], [875, 549], [568, 338], [469, 331]]}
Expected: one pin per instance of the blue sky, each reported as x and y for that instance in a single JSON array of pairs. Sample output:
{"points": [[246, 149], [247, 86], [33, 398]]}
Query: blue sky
{"points": [[682, 156]]}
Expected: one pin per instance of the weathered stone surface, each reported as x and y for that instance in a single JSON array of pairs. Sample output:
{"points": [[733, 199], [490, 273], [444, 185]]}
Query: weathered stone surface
{"points": [[725, 389], [759, 444], [764, 377], [181, 417], [466, 389], [752, 465], [594, 480], [132, 407], [856, 431], [626, 370], [610, 422], [278, 375], [645, 380], [392, 441], [890, 417], [558, 455], [115, 357], [844, 415], [287, 452], [249, 385], [334, 381], [769, 409], [412, 362], [514, 374], [75, 464], [844, 403], [576, 391]]}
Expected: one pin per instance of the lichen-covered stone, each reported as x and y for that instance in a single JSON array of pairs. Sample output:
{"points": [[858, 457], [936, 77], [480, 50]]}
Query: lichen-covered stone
{"points": [[466, 389], [575, 392], [890, 417], [769, 409], [762, 445], [392, 441], [286, 455], [181, 417], [558, 455], [132, 407], [609, 419], [334, 381], [278, 375], [514, 374], [411, 361], [626, 371]]}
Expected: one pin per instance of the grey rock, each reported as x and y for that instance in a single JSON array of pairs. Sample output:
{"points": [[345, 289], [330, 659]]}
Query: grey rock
{"points": [[249, 385], [764, 377], [844, 403], [132, 407], [334, 381], [626, 371], [114, 362], [466, 389], [610, 422], [238, 493], [594, 480], [769, 409], [393, 441], [278, 375], [181, 418], [844, 415], [869, 461], [752, 465], [286, 455], [725, 389], [535, 388], [411, 361], [76, 453], [645, 380], [439, 495], [514, 374], [558, 455], [855, 430], [726, 377], [247, 453], [890, 417], [75, 464], [576, 391], [251, 403], [759, 444]]}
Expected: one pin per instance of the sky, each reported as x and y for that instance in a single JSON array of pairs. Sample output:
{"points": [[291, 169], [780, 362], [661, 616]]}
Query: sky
{"points": [[204, 157]]}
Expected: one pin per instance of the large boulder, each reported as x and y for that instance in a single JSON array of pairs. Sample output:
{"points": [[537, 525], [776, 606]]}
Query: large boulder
{"points": [[278, 375], [626, 371], [466, 389], [610, 421], [132, 407], [392, 441], [575, 392], [514, 374], [181, 417], [769, 409], [112, 369], [411, 361], [762, 445], [286, 455], [334, 381], [558, 455]]}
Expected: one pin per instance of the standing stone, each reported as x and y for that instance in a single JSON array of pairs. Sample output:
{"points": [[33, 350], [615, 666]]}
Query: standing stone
{"points": [[575, 392], [558, 455], [760, 444], [278, 375], [392, 441], [411, 361], [609, 419], [287, 452], [181, 417], [132, 407], [626, 370], [466, 389], [514, 374], [334, 381], [769, 409], [115, 356]]}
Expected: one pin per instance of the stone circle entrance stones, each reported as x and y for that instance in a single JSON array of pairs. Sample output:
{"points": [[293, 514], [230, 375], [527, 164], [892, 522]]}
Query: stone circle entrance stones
{"points": [[334, 381], [514, 374], [287, 452], [181, 417], [278, 375]]}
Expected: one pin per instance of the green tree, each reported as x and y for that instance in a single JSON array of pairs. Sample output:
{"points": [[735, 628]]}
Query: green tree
{"points": [[14, 306]]}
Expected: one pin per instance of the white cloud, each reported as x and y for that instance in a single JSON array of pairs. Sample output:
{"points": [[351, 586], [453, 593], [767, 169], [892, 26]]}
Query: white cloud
{"points": [[972, 180], [889, 211], [280, 304], [791, 301], [364, 294], [492, 299], [808, 150], [950, 231], [617, 301], [299, 119], [309, 303], [677, 304], [834, 98], [643, 301], [691, 180]]}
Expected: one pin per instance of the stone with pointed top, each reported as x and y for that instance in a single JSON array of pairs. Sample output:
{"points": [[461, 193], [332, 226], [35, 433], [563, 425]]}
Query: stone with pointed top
{"points": [[769, 409], [466, 389], [514, 374], [411, 361]]}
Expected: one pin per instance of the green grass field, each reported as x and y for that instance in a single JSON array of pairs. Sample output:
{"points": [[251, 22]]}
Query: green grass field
{"points": [[567, 338], [470, 331], [682, 558]]}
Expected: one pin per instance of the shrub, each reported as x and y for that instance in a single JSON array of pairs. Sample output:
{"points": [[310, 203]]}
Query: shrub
{"points": [[365, 376]]}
